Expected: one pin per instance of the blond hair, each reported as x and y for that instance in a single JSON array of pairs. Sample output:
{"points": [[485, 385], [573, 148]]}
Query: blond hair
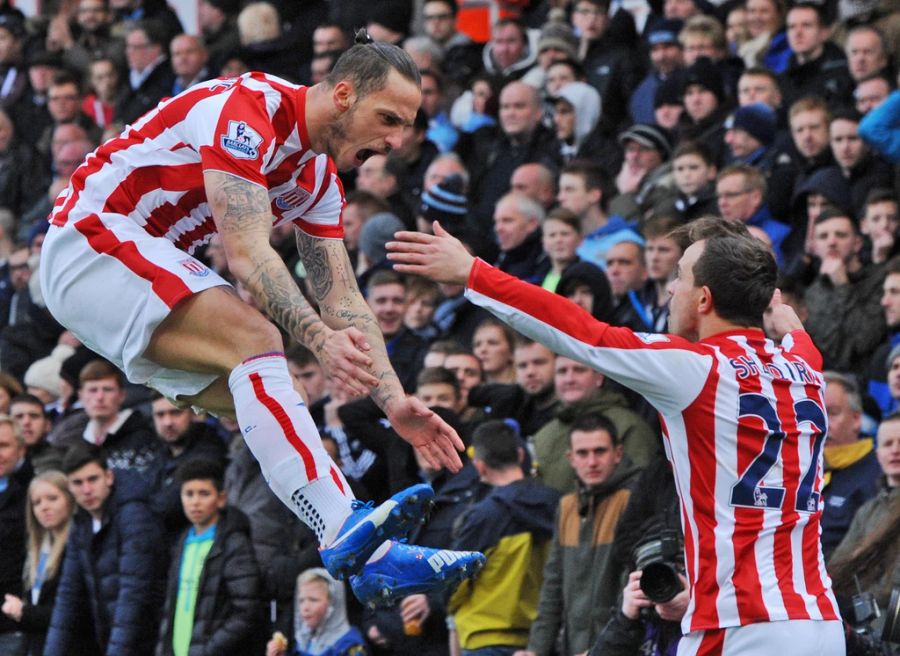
{"points": [[38, 535]]}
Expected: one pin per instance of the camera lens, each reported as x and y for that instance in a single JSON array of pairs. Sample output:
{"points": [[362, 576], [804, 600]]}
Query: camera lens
{"points": [[659, 581]]}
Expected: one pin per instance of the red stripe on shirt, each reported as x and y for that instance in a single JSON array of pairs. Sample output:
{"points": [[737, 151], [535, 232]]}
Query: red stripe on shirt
{"points": [[702, 446], [167, 286], [784, 555], [748, 522]]}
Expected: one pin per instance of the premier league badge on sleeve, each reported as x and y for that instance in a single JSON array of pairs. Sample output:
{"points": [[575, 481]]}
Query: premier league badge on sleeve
{"points": [[242, 141]]}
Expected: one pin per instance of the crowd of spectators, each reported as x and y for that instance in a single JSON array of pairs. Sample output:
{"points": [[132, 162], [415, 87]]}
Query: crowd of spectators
{"points": [[561, 140]]}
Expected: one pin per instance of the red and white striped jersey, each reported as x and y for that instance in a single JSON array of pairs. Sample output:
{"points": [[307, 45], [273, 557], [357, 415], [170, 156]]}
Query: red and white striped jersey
{"points": [[252, 126], [743, 425]]}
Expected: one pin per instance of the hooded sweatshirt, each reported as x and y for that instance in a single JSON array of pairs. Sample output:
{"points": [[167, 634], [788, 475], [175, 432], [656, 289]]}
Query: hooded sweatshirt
{"points": [[334, 636]]}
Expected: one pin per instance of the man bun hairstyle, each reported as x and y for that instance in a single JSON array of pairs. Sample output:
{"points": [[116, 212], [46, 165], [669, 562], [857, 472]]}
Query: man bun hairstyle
{"points": [[368, 63]]}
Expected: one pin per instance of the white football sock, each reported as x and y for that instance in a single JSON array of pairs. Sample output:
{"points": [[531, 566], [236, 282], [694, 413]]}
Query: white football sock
{"points": [[281, 435]]}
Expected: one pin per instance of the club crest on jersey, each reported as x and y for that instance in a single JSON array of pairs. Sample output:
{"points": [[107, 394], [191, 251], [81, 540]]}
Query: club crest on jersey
{"points": [[195, 268], [242, 141], [292, 199]]}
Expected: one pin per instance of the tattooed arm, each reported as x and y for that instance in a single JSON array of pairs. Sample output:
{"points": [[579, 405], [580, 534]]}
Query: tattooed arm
{"points": [[333, 283], [334, 287], [244, 220]]}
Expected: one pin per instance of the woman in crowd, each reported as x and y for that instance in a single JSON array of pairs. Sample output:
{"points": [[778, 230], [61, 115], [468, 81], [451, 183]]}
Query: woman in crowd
{"points": [[49, 510], [561, 234]]}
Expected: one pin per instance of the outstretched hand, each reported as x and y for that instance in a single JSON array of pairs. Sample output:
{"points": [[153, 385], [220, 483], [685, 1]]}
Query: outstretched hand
{"points": [[342, 356], [440, 257], [428, 434], [780, 318]]}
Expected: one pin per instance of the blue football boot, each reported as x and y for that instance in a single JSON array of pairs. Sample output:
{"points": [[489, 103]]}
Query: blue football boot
{"points": [[368, 527], [409, 569]]}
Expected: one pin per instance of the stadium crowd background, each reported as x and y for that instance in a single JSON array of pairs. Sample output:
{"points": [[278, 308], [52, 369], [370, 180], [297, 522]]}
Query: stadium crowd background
{"points": [[561, 141]]}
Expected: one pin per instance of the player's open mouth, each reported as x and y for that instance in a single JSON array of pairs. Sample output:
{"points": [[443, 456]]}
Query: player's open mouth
{"points": [[364, 154]]}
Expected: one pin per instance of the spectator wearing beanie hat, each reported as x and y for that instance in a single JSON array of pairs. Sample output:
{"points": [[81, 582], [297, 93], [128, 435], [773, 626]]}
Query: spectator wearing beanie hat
{"points": [[389, 20], [645, 178], [705, 107], [557, 41], [42, 378], [376, 232], [750, 132], [445, 202], [668, 105]]}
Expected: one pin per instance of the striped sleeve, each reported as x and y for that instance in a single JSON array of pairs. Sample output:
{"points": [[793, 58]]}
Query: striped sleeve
{"points": [[668, 370], [323, 217], [242, 139]]}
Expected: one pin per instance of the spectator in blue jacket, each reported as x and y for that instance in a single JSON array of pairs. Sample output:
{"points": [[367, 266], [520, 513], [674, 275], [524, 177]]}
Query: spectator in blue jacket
{"points": [[879, 128], [114, 572]]}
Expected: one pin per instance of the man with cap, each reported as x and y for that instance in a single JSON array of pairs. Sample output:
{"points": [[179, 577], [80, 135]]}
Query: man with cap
{"points": [[666, 59], [646, 172], [376, 231], [749, 133], [705, 107], [817, 66], [606, 49]]}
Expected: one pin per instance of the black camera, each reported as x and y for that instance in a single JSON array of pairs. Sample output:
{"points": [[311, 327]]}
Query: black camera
{"points": [[862, 615], [658, 560]]}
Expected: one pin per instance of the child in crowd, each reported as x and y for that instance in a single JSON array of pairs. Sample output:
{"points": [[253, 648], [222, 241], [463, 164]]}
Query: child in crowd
{"points": [[422, 298], [694, 171], [320, 620], [213, 601]]}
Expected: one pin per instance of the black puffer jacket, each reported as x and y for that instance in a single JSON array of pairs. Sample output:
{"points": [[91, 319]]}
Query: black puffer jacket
{"points": [[228, 615], [118, 572]]}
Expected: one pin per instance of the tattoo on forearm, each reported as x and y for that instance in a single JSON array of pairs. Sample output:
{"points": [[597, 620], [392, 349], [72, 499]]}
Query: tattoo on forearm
{"points": [[315, 261], [243, 214]]}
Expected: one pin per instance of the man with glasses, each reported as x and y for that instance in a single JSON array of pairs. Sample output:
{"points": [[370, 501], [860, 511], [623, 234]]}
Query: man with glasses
{"points": [[150, 76], [741, 190], [462, 56], [64, 105]]}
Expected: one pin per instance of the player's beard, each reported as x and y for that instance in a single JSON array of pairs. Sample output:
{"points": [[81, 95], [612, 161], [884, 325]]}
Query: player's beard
{"points": [[335, 135]]}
